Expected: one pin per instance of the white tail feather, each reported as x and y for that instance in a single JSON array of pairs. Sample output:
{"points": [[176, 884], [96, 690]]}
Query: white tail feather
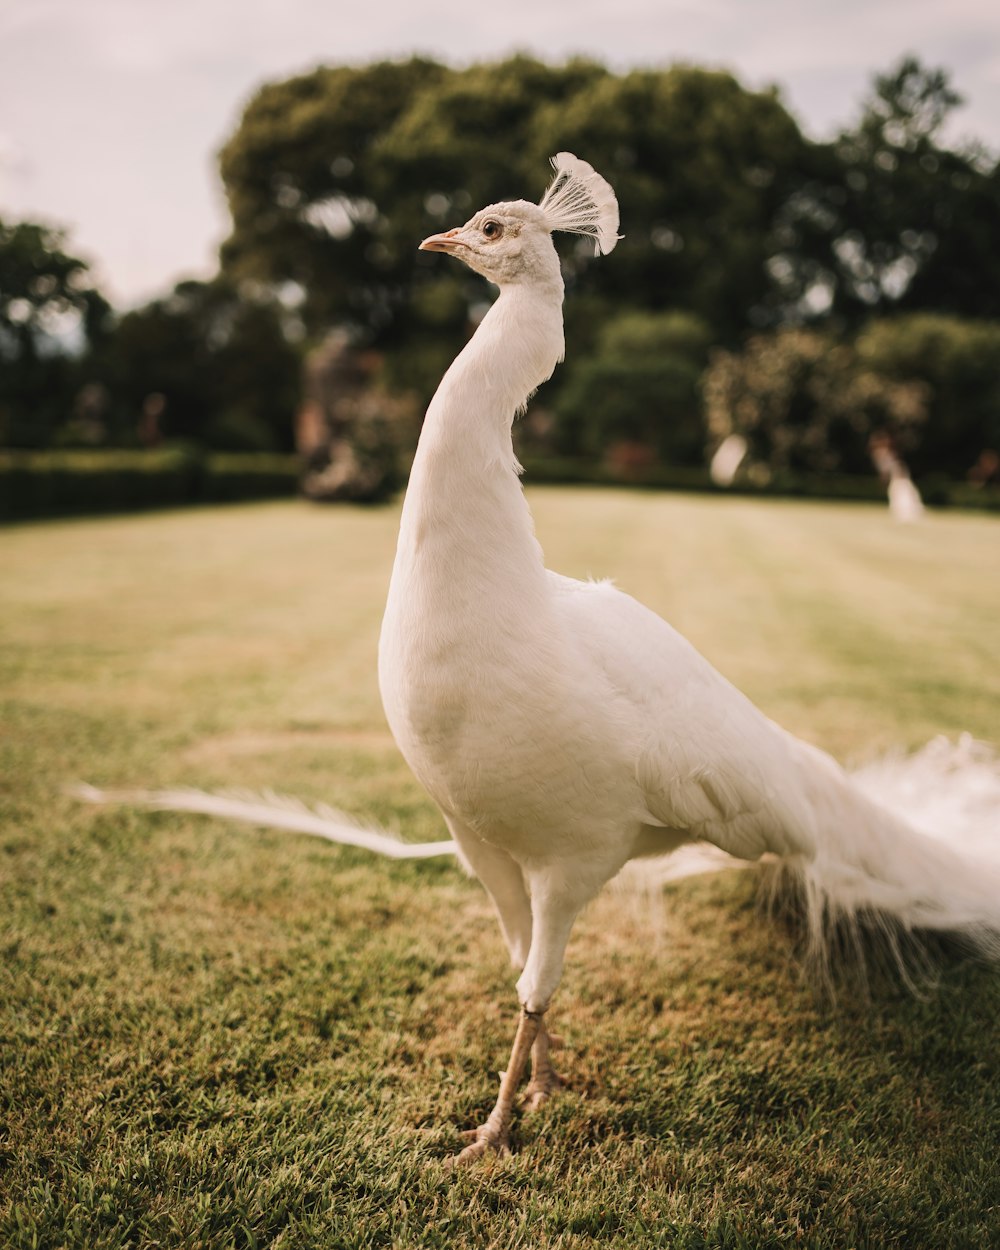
{"points": [[580, 201], [271, 811], [911, 842], [949, 790]]}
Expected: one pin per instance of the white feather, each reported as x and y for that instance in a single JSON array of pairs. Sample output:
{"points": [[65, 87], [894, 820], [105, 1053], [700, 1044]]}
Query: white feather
{"points": [[728, 457], [270, 811], [905, 502], [580, 201], [947, 790]]}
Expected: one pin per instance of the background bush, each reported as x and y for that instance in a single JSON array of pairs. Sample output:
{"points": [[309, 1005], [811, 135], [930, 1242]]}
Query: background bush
{"points": [[53, 483], [958, 363], [642, 385]]}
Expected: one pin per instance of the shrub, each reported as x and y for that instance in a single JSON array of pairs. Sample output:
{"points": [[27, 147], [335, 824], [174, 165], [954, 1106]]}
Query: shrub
{"points": [[566, 470], [805, 402], [229, 477], [958, 361], [641, 386], [54, 483]]}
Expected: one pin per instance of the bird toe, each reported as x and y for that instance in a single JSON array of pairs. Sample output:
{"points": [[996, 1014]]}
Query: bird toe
{"points": [[482, 1141], [540, 1089]]}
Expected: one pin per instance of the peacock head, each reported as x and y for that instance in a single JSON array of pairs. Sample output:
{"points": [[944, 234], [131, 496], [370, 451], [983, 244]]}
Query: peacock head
{"points": [[506, 243], [512, 242]]}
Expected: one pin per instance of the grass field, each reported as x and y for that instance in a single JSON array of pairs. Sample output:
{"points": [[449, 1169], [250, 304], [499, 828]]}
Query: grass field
{"points": [[215, 1036]]}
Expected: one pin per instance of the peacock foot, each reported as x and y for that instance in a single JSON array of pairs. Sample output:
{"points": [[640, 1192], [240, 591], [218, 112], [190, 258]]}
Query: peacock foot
{"points": [[545, 1080], [493, 1137], [487, 1139]]}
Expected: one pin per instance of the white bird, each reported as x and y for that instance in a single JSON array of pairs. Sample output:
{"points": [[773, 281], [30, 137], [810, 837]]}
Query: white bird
{"points": [[727, 458], [564, 729], [905, 502]]}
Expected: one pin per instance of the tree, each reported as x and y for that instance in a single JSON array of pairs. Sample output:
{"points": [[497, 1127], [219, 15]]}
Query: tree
{"points": [[333, 178], [48, 314], [220, 359], [887, 217], [729, 215], [306, 182], [701, 167]]}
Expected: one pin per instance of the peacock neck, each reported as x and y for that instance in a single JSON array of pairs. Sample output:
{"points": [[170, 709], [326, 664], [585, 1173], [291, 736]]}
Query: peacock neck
{"points": [[516, 347], [465, 473]]}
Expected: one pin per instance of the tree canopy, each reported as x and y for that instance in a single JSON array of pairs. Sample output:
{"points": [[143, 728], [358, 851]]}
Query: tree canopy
{"points": [[732, 219], [889, 217], [48, 312], [217, 359], [334, 177]]}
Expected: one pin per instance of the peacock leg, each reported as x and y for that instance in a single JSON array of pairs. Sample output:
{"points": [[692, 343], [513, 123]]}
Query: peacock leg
{"points": [[504, 883], [494, 1135], [545, 1080], [555, 904]]}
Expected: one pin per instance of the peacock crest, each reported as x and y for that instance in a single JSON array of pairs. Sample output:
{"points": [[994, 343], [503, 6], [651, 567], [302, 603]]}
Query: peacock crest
{"points": [[580, 201]]}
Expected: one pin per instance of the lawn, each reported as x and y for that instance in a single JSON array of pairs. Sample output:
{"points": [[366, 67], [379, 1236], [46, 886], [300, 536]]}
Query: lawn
{"points": [[217, 1036]]}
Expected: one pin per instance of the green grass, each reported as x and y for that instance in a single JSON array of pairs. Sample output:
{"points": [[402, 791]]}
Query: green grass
{"points": [[215, 1036]]}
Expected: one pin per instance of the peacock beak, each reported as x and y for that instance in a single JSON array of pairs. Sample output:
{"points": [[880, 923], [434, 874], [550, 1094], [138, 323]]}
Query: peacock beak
{"points": [[444, 242]]}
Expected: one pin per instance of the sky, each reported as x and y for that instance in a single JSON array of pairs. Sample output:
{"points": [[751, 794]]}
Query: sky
{"points": [[112, 111]]}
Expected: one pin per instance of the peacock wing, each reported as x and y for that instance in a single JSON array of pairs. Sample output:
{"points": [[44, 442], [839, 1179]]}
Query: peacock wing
{"points": [[707, 761]]}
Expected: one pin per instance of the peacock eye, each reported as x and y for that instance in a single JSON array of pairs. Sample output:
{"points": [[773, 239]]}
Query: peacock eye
{"points": [[492, 230]]}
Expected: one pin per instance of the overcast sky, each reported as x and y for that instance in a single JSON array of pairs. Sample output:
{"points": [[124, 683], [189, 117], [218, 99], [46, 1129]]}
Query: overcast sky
{"points": [[111, 111]]}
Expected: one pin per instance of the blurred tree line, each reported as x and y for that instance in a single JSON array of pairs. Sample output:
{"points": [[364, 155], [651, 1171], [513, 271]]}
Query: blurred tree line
{"points": [[803, 294]]}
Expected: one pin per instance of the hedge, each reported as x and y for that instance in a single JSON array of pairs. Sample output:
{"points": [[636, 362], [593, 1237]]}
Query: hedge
{"points": [[937, 490], [63, 483]]}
